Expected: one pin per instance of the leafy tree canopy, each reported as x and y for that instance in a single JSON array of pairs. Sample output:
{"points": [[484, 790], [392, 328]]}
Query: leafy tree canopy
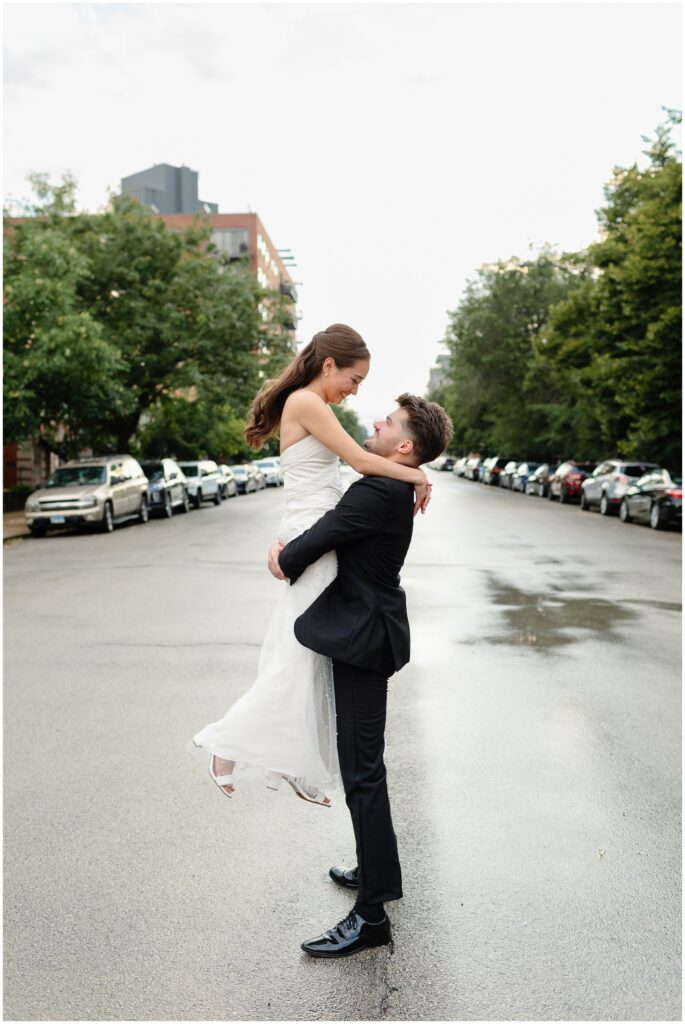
{"points": [[112, 316], [580, 354]]}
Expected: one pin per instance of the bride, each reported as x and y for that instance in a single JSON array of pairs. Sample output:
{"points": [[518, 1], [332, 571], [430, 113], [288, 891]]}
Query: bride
{"points": [[285, 722]]}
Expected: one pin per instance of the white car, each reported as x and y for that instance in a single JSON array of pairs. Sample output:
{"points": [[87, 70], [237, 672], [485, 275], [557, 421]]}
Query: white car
{"points": [[203, 480], [271, 468]]}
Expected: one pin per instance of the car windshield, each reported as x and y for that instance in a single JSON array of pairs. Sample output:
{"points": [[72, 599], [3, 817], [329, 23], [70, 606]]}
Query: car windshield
{"points": [[153, 470], [190, 470], [78, 476], [239, 470], [636, 470], [265, 463]]}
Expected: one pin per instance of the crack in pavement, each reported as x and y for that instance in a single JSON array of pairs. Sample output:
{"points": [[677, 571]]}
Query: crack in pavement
{"points": [[385, 981]]}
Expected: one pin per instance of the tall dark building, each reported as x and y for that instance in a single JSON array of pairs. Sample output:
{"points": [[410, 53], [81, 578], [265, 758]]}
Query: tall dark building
{"points": [[167, 189]]}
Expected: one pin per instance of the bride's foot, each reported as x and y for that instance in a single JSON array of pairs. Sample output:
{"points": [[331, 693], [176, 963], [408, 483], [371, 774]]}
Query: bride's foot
{"points": [[310, 793], [221, 772]]}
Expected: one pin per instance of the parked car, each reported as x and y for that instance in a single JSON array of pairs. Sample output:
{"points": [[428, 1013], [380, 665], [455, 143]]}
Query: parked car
{"points": [[471, 470], [444, 463], [656, 498], [538, 481], [271, 468], [89, 492], [167, 487], [228, 488], [245, 478], [609, 482], [492, 469], [519, 479], [260, 475], [507, 473], [203, 480], [459, 467], [565, 482]]}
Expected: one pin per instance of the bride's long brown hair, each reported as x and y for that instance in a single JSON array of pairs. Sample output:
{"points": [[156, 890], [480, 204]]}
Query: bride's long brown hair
{"points": [[344, 345]]}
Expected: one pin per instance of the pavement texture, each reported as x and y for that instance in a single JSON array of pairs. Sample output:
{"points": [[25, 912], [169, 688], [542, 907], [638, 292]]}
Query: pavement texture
{"points": [[533, 752], [14, 525]]}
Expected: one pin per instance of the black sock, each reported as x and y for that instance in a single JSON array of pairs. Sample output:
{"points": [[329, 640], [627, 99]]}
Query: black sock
{"points": [[374, 913]]}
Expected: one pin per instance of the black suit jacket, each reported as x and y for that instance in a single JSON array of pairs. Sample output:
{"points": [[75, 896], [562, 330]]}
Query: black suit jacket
{"points": [[361, 617]]}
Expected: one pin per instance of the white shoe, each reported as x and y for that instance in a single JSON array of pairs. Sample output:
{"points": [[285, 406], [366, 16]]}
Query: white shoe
{"points": [[221, 780], [311, 795]]}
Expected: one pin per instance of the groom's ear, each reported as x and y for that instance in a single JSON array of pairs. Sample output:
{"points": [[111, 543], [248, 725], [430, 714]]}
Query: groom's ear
{"points": [[406, 447]]}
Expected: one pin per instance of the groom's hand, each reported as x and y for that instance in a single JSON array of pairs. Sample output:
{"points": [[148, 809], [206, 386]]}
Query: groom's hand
{"points": [[274, 567]]}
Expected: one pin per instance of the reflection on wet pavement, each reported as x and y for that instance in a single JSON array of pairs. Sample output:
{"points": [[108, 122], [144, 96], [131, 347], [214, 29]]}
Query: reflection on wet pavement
{"points": [[557, 616]]}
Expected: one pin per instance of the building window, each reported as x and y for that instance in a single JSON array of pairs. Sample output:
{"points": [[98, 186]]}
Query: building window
{"points": [[232, 241]]}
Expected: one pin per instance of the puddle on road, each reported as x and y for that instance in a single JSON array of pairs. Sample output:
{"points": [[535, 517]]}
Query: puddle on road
{"points": [[548, 619]]}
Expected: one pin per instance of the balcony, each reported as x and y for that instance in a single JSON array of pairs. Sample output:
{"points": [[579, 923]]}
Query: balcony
{"points": [[288, 288]]}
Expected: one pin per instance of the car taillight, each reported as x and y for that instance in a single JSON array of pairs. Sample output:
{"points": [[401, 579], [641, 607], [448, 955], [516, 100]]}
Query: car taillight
{"points": [[674, 494], [496, 469]]}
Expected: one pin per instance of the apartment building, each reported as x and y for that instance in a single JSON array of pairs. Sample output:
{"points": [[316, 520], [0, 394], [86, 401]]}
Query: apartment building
{"points": [[172, 194]]}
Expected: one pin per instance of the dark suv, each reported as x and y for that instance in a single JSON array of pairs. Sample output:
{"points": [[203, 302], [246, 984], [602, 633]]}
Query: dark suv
{"points": [[167, 488]]}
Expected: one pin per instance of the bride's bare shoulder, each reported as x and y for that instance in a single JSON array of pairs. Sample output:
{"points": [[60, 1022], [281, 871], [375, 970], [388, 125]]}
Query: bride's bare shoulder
{"points": [[302, 399]]}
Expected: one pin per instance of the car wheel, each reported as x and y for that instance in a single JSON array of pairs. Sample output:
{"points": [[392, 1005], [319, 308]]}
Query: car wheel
{"points": [[107, 522], [624, 511], [143, 512], [655, 518], [604, 505], [37, 531], [584, 502], [197, 499], [168, 508], [217, 498]]}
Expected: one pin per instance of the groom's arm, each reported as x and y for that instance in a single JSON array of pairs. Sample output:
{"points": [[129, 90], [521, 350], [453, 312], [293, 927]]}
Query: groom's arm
{"points": [[362, 511]]}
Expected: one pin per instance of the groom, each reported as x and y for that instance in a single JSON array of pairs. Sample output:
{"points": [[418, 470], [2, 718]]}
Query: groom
{"points": [[360, 621]]}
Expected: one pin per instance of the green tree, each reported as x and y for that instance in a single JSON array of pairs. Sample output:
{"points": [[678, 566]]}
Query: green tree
{"points": [[611, 359], [201, 429], [113, 316], [490, 341], [350, 421], [60, 368]]}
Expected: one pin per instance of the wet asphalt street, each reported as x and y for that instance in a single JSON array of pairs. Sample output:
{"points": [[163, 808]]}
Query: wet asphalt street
{"points": [[533, 751]]}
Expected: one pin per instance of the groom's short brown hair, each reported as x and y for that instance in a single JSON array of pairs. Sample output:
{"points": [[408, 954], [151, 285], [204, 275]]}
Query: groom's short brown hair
{"points": [[430, 427]]}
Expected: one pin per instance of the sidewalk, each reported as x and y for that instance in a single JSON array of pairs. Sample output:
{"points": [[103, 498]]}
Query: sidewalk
{"points": [[14, 525]]}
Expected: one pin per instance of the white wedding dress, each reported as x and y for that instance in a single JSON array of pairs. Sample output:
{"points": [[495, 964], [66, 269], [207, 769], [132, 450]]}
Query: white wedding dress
{"points": [[285, 722]]}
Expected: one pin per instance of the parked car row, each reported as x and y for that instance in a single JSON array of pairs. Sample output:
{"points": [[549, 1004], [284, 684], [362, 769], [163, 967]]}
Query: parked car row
{"points": [[102, 492], [634, 489]]}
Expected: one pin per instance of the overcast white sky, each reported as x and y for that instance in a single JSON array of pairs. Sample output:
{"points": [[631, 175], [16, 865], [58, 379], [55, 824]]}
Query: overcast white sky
{"points": [[394, 147]]}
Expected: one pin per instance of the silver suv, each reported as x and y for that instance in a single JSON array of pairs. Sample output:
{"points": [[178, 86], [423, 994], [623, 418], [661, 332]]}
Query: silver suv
{"points": [[609, 482], [89, 492]]}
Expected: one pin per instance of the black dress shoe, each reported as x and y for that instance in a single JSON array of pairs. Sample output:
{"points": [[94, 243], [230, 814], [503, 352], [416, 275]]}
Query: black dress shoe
{"points": [[348, 877], [349, 937]]}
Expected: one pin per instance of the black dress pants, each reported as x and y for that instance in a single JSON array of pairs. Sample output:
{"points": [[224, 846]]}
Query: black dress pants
{"points": [[360, 703]]}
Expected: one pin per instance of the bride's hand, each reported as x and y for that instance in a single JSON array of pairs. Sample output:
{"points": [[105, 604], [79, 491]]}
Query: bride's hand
{"points": [[274, 567], [422, 493]]}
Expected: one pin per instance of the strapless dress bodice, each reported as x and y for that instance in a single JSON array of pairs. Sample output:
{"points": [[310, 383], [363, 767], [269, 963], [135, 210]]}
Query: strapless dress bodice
{"points": [[312, 485]]}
